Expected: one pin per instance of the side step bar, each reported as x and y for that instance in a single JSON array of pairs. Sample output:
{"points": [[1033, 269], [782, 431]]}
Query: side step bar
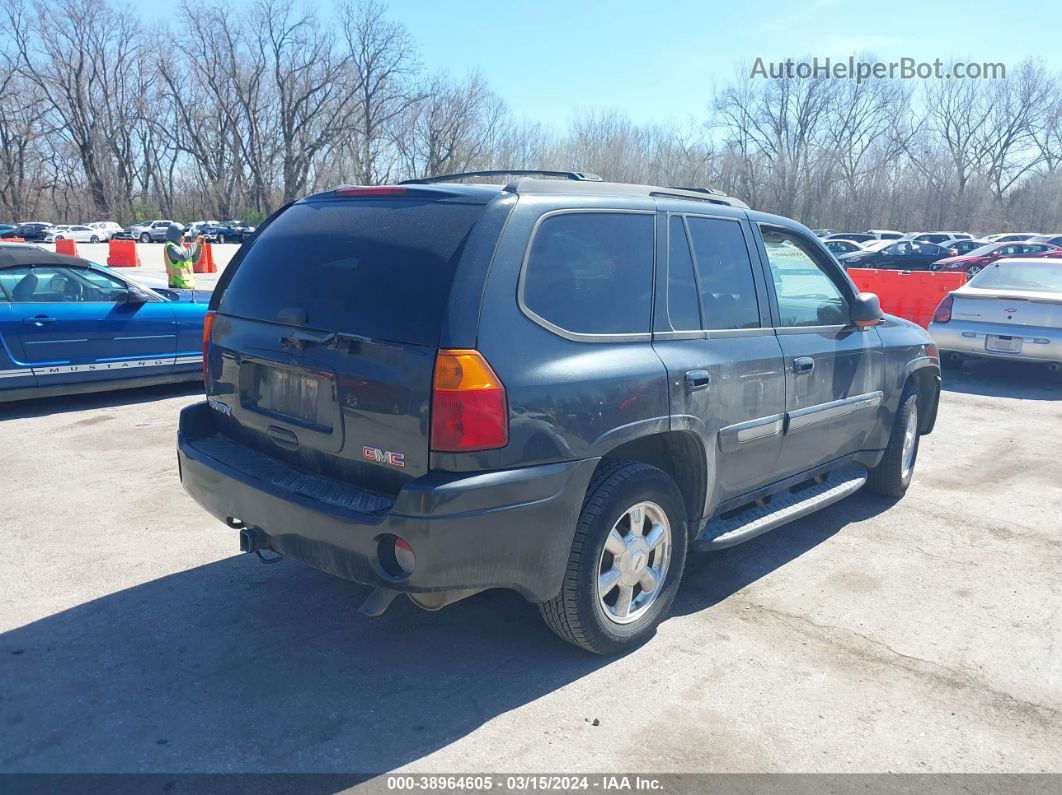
{"points": [[782, 508]]}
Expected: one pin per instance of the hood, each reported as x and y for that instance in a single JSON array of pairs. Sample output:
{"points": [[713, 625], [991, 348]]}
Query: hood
{"points": [[852, 256]]}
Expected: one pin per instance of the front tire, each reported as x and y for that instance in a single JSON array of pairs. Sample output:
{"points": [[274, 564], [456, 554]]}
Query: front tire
{"points": [[94, 239], [145, 238], [626, 560], [892, 476], [221, 239]]}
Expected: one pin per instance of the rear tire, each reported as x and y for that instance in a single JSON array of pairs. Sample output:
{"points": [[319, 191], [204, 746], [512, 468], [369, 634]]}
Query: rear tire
{"points": [[94, 239], [892, 476], [632, 530]]}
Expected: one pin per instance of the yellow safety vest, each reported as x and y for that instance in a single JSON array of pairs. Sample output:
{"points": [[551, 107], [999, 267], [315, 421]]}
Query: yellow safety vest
{"points": [[179, 270]]}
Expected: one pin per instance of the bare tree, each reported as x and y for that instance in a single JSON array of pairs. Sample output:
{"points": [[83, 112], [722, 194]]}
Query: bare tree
{"points": [[384, 65]]}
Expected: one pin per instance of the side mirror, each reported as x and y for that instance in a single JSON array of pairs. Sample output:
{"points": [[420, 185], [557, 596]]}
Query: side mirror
{"points": [[133, 296], [866, 311]]}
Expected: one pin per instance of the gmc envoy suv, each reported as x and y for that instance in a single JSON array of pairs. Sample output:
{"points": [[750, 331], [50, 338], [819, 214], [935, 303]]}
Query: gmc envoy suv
{"points": [[558, 385]]}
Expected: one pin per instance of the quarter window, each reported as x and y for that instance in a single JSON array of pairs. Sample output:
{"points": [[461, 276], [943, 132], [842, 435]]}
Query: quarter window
{"points": [[592, 273], [807, 296], [683, 297]]}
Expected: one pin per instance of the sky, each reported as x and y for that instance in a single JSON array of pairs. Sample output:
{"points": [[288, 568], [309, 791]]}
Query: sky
{"points": [[552, 60]]}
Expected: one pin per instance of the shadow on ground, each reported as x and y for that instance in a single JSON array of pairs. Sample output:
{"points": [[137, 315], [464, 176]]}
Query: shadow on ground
{"points": [[993, 378], [42, 407], [235, 666]]}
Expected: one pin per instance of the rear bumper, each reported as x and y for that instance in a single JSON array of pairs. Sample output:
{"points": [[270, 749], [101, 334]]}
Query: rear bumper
{"points": [[969, 339], [508, 529]]}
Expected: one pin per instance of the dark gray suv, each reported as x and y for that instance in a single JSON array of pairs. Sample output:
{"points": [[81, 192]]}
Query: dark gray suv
{"points": [[558, 386]]}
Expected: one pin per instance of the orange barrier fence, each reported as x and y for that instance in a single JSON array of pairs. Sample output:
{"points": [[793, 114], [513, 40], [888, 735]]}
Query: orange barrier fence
{"points": [[909, 294], [205, 263], [13, 240], [65, 246], [123, 254]]}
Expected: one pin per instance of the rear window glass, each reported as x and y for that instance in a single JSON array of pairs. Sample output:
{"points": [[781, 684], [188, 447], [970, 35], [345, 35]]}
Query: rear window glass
{"points": [[377, 268], [1020, 276], [592, 273]]}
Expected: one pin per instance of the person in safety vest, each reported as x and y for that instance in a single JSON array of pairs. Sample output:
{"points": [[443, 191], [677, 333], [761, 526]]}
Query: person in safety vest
{"points": [[179, 260]]}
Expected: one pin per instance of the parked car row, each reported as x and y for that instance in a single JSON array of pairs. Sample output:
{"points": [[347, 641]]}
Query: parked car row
{"points": [[937, 251], [231, 231]]}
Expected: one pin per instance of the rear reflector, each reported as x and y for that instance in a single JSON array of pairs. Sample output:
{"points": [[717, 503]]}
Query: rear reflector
{"points": [[404, 556], [468, 405], [372, 190], [942, 314], [208, 325]]}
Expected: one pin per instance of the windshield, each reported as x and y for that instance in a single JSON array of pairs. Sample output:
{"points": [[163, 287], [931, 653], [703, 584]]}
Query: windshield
{"points": [[1020, 276]]}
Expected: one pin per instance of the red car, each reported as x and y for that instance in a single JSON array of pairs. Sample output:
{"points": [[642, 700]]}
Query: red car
{"points": [[973, 261]]}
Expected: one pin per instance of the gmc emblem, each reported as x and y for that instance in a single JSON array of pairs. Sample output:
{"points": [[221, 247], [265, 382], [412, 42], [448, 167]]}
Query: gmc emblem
{"points": [[383, 456]]}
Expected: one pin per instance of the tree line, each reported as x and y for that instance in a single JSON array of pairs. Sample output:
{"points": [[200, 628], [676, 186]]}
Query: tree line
{"points": [[235, 109]]}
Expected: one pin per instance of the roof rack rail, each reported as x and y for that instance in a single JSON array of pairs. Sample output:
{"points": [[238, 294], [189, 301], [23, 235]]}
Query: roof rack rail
{"points": [[578, 176], [713, 191]]}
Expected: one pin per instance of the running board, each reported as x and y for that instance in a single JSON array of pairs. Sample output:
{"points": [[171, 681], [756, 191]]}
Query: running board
{"points": [[782, 508]]}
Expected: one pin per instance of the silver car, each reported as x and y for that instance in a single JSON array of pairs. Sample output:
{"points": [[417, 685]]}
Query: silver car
{"points": [[1012, 309]]}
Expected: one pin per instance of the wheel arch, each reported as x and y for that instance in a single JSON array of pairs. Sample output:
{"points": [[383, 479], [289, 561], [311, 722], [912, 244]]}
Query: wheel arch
{"points": [[926, 379], [681, 455]]}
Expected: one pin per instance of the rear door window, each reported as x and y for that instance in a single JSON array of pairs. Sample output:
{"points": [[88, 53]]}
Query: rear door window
{"points": [[724, 270], [591, 272], [380, 268]]}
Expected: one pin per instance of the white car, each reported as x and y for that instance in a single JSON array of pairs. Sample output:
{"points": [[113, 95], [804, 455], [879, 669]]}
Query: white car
{"points": [[105, 229], [1012, 309], [885, 234], [81, 234], [1011, 237]]}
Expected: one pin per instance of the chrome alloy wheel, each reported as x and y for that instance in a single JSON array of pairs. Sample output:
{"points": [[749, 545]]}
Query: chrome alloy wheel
{"points": [[633, 564], [910, 443]]}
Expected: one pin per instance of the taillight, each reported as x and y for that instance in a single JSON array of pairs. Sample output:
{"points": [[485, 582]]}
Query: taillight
{"points": [[468, 406], [942, 314], [208, 325]]}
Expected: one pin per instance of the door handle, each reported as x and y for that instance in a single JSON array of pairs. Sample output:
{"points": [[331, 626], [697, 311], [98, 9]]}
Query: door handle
{"points": [[803, 364], [38, 320], [697, 379]]}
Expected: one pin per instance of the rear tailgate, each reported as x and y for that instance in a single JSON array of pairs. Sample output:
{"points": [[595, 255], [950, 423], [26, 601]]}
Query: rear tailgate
{"points": [[323, 348]]}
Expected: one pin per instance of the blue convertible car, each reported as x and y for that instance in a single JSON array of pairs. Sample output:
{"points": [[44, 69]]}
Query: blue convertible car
{"points": [[69, 325]]}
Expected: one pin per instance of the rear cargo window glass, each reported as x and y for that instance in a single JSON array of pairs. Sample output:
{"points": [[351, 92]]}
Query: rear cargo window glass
{"points": [[377, 268], [1020, 276], [592, 273]]}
